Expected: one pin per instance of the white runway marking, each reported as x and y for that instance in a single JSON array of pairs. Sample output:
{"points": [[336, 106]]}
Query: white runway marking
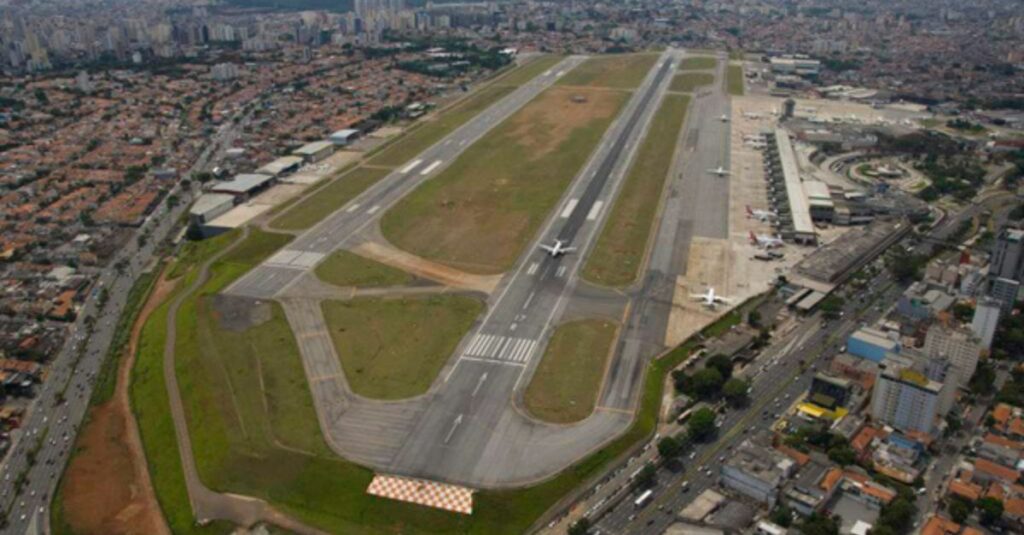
{"points": [[547, 72], [502, 348], [411, 166], [431, 167], [352, 208], [374, 209], [560, 272], [595, 210], [559, 74], [569, 207], [533, 268]]}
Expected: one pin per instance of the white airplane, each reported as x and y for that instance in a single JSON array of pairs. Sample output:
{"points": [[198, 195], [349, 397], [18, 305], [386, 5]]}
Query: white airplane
{"points": [[710, 299], [719, 171], [558, 249], [761, 215], [724, 118], [765, 242]]}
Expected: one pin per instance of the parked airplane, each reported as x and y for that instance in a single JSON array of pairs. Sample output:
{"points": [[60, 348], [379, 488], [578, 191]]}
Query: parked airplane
{"points": [[761, 215], [719, 171], [766, 242], [558, 249], [710, 299]]}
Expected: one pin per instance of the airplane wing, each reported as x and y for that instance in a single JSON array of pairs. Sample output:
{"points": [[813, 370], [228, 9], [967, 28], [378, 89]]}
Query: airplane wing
{"points": [[723, 300], [547, 248]]}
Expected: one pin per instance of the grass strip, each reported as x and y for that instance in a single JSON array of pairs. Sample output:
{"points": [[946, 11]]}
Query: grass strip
{"points": [[734, 80], [326, 200], [698, 63], [688, 81], [619, 253], [618, 71], [345, 268], [379, 363], [565, 386]]}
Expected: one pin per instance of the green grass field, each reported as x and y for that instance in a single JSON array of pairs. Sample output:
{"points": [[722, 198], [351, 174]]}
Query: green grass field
{"points": [[565, 386], [619, 253], [321, 490], [734, 80], [193, 253], [344, 268], [688, 81], [528, 71], [622, 71], [480, 212], [394, 348], [327, 199], [698, 63]]}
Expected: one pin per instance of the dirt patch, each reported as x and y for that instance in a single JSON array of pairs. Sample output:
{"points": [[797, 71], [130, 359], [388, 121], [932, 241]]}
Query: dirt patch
{"points": [[426, 269], [107, 489], [240, 314]]}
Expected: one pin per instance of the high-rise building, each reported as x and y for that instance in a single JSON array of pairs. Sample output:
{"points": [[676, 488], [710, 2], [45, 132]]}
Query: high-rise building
{"points": [[906, 398], [1008, 255], [986, 318], [1006, 291], [959, 346]]}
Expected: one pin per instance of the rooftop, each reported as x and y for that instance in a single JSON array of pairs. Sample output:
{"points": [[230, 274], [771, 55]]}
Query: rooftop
{"points": [[800, 211]]}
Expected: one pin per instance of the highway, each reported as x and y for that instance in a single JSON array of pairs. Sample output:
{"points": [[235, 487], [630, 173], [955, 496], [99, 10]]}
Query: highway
{"points": [[45, 440], [778, 381]]}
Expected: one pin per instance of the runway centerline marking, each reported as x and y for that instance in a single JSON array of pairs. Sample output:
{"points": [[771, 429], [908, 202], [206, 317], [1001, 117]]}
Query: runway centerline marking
{"points": [[479, 383], [569, 206], [411, 166], [431, 167], [374, 209]]}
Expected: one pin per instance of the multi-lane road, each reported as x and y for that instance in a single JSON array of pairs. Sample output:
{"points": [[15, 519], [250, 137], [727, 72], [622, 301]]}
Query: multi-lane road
{"points": [[44, 442]]}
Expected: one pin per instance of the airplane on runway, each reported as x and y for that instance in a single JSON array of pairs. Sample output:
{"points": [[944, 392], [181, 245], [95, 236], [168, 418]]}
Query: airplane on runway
{"points": [[720, 171], [724, 118], [710, 299], [766, 242], [558, 249], [761, 215]]}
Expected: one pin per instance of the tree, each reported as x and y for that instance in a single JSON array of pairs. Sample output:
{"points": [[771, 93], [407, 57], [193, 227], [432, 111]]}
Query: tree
{"points": [[832, 307], [982, 383], [707, 383], [647, 476], [842, 455], [701, 425], [754, 319], [989, 509], [818, 524], [721, 363], [781, 516], [681, 381], [959, 509], [669, 448], [580, 527], [898, 514], [735, 391]]}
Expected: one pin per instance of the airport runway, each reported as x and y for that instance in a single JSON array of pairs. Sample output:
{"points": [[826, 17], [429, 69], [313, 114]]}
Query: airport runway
{"points": [[468, 429], [284, 268]]}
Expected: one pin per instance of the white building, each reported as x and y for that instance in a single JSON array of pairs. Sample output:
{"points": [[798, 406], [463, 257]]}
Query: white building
{"points": [[757, 472], [986, 318], [907, 399], [959, 346]]}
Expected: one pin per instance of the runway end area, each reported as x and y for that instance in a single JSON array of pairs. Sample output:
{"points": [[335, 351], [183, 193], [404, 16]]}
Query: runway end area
{"points": [[442, 496]]}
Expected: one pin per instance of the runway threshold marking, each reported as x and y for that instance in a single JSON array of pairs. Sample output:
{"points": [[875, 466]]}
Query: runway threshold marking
{"points": [[431, 167], [493, 347], [374, 209], [412, 165], [560, 272], [352, 208], [533, 268], [595, 210], [569, 207]]}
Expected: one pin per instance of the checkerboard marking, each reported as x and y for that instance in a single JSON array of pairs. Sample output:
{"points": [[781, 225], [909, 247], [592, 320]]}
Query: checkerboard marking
{"points": [[422, 492]]}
